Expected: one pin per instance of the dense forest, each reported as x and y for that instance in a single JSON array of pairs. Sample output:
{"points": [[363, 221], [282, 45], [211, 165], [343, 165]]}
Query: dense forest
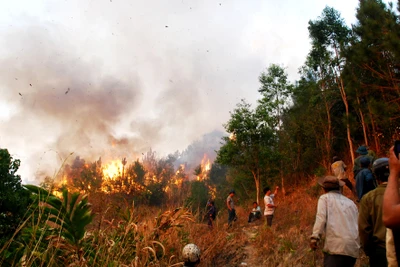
{"points": [[348, 95]]}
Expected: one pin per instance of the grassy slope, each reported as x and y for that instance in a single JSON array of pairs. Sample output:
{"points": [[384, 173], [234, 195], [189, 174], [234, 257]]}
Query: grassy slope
{"points": [[285, 244]]}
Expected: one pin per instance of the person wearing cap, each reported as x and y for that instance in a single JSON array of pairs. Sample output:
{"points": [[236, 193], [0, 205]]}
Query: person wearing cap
{"points": [[269, 205], [231, 207], [365, 180], [363, 153], [370, 224], [336, 217]]}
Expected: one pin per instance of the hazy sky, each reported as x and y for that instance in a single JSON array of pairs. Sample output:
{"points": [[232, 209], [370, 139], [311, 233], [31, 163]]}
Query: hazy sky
{"points": [[113, 78]]}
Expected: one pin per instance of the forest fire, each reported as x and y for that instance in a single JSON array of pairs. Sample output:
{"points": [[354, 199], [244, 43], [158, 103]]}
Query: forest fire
{"points": [[112, 169], [203, 169]]}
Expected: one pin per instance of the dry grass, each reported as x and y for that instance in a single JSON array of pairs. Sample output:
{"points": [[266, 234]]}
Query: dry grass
{"points": [[144, 236]]}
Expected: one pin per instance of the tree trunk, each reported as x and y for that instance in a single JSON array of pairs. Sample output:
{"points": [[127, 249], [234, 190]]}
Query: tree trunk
{"points": [[339, 80], [328, 137], [362, 120], [256, 177], [374, 133]]}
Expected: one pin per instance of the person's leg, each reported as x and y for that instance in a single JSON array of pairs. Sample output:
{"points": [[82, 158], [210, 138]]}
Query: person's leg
{"points": [[232, 216], [338, 260], [251, 217], [210, 222], [269, 220], [378, 257]]}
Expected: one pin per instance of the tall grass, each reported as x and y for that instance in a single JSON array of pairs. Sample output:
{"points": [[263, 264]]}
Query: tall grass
{"points": [[147, 236]]}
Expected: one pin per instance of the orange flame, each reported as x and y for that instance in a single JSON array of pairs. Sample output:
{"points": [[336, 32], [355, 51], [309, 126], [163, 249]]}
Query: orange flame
{"points": [[205, 164], [112, 170]]}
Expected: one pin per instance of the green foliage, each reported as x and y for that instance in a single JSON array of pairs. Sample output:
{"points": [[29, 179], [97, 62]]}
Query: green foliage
{"points": [[61, 221], [251, 145], [199, 195], [155, 193], [14, 199]]}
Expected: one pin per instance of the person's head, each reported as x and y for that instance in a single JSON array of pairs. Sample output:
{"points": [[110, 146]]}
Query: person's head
{"points": [[255, 204], [364, 162], [362, 150], [380, 168], [211, 203], [336, 158], [267, 190], [329, 183], [232, 193]]}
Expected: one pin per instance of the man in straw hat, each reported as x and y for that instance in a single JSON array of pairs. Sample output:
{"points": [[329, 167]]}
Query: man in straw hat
{"points": [[337, 217]]}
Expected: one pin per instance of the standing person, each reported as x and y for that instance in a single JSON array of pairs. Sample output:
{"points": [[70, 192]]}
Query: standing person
{"points": [[212, 212], [391, 210], [370, 224], [231, 207], [363, 153], [365, 181], [339, 170], [337, 218], [269, 204], [255, 213]]}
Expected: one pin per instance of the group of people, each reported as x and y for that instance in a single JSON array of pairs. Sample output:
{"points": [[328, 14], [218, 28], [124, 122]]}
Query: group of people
{"points": [[255, 213], [373, 226]]}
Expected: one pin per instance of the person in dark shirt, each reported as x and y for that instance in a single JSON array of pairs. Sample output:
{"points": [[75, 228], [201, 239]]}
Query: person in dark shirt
{"points": [[365, 180], [212, 213]]}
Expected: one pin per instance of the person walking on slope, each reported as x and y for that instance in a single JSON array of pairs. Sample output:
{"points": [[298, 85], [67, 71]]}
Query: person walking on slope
{"points": [[231, 207], [370, 224], [363, 153], [269, 204], [337, 218], [365, 180], [339, 170]]}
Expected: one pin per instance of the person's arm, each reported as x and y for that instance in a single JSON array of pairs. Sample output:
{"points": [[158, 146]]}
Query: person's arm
{"points": [[320, 223], [365, 227], [276, 190], [391, 200], [320, 219]]}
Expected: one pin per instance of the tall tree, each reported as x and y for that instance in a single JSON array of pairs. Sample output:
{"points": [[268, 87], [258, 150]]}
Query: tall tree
{"points": [[276, 92], [372, 69], [251, 144], [330, 36]]}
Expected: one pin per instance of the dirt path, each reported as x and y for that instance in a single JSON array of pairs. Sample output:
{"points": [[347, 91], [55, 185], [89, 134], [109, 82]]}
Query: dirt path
{"points": [[250, 249]]}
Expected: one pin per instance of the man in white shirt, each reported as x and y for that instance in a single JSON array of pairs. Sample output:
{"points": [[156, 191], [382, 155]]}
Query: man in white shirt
{"points": [[255, 213], [269, 204], [337, 217]]}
